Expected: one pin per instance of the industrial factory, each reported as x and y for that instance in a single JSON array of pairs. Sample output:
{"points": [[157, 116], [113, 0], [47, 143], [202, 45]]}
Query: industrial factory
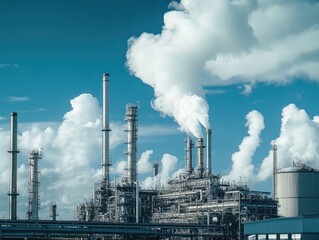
{"points": [[196, 204], [196, 196]]}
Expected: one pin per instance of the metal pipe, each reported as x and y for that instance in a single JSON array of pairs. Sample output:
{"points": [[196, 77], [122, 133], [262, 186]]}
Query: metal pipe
{"points": [[105, 131], [208, 219], [131, 119], [200, 147], [189, 155], [137, 197], [13, 191], [274, 175], [209, 151]]}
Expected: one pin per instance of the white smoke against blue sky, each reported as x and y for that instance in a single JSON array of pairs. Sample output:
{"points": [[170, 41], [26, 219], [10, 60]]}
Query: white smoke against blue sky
{"points": [[215, 43]]}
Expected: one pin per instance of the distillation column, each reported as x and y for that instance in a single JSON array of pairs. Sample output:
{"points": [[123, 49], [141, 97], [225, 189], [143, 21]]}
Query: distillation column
{"points": [[209, 151], [33, 212], [105, 144], [200, 147], [131, 119], [189, 155], [13, 191]]}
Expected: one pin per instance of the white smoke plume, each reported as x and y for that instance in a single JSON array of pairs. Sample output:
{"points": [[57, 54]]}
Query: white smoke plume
{"points": [[243, 168], [298, 141], [214, 42]]}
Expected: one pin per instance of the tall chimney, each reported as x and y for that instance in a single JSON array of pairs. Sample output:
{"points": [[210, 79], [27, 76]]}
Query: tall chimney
{"points": [[274, 174], [200, 147], [34, 183], [105, 132], [155, 168], [155, 178], [209, 151], [13, 191], [131, 119], [189, 155]]}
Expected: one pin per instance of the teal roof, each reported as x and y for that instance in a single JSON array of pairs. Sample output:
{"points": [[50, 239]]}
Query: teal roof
{"points": [[302, 224]]}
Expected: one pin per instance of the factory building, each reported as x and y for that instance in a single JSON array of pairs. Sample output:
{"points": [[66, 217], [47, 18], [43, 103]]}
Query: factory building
{"points": [[193, 197]]}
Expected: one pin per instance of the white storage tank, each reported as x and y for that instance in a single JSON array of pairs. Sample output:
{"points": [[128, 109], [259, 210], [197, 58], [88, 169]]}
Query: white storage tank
{"points": [[297, 191]]}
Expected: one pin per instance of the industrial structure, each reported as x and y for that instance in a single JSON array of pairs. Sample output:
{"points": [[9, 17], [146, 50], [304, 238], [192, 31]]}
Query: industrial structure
{"points": [[297, 190], [195, 204], [34, 201], [13, 191], [196, 196]]}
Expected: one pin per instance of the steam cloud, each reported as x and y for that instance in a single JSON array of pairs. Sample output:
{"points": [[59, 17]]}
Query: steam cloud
{"points": [[298, 141], [167, 170], [242, 168], [213, 43]]}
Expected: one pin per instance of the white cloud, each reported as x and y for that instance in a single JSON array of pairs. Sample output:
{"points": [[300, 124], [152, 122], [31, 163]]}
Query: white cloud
{"points": [[71, 159], [167, 170], [143, 164], [18, 99], [214, 43], [2, 118], [168, 164], [215, 91], [120, 167], [148, 183], [298, 141], [158, 130], [248, 88], [243, 168], [3, 65]]}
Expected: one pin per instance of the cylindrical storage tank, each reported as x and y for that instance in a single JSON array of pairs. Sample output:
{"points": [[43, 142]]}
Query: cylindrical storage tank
{"points": [[297, 191]]}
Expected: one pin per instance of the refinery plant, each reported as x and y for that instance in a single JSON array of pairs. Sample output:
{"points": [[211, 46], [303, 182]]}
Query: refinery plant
{"points": [[196, 204], [196, 196]]}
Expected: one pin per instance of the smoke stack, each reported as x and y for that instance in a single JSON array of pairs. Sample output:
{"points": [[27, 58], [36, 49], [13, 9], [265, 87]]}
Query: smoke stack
{"points": [[13, 191], [53, 213], [33, 211], [200, 146], [105, 131], [155, 168], [189, 155], [155, 178], [274, 174], [131, 119], [209, 151]]}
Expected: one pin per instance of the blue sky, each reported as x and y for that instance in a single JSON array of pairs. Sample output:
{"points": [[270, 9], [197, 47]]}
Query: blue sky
{"points": [[52, 52]]}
